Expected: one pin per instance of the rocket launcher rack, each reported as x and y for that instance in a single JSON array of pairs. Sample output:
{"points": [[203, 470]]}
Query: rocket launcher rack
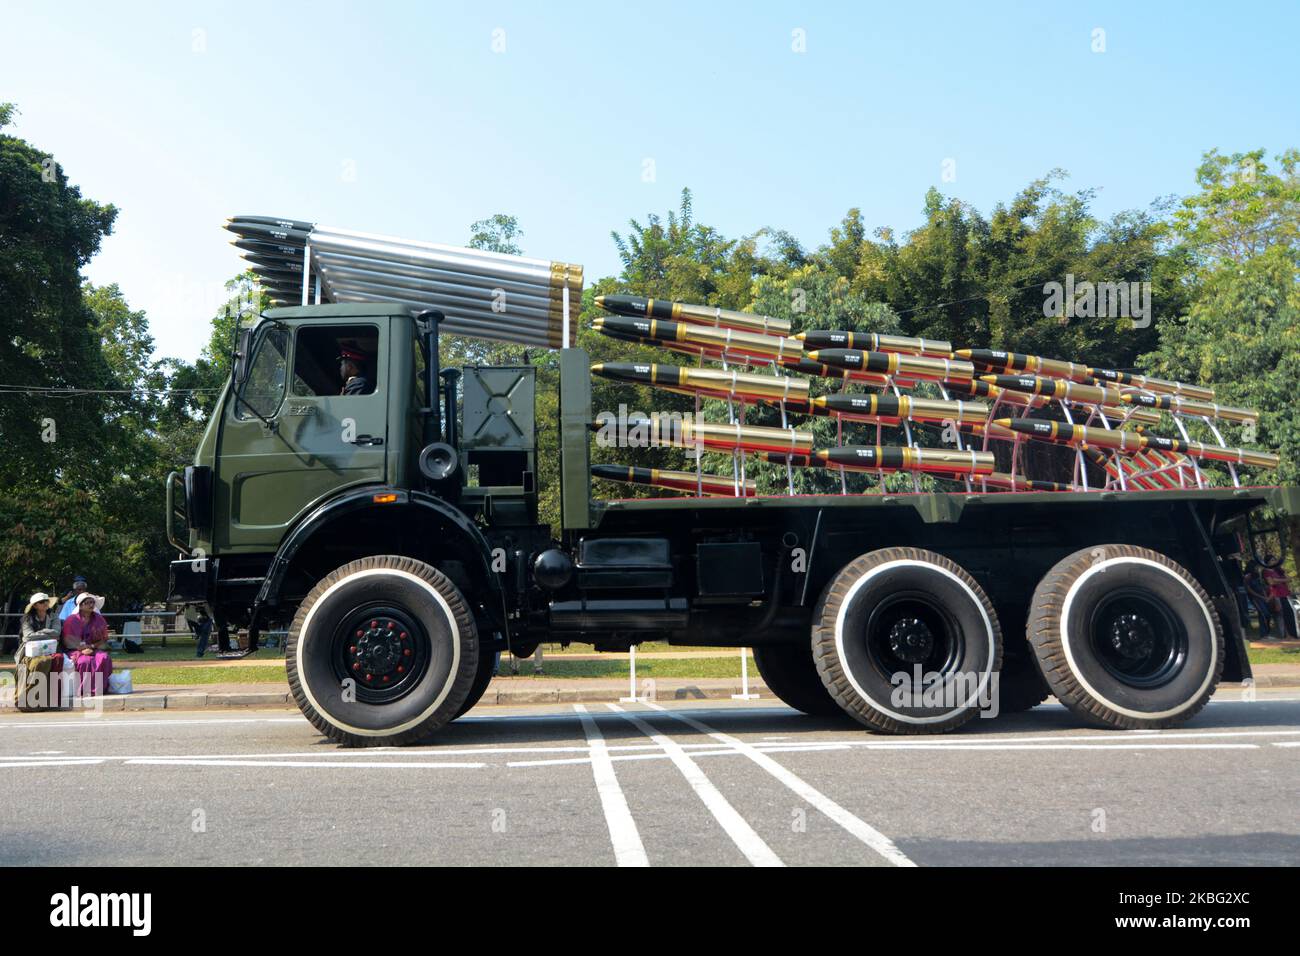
{"points": [[985, 395]]}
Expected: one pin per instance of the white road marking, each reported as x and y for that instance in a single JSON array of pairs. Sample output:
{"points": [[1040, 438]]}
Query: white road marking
{"points": [[348, 765], [868, 834], [623, 834], [118, 720], [660, 755], [43, 763], [742, 834], [1286, 743]]}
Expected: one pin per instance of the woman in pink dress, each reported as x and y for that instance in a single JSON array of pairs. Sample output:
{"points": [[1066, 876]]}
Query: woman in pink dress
{"points": [[86, 634]]}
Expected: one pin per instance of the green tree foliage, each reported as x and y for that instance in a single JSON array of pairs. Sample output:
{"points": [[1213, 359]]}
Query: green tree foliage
{"points": [[48, 231], [1239, 237], [498, 233]]}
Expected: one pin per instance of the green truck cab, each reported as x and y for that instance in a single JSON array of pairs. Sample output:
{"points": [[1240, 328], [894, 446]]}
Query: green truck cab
{"points": [[393, 531]]}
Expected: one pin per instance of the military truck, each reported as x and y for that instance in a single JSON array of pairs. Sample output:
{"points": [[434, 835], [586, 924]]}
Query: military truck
{"points": [[393, 530]]}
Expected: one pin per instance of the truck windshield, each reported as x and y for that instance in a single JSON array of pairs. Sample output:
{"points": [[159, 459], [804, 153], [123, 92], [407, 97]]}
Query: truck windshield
{"points": [[264, 388]]}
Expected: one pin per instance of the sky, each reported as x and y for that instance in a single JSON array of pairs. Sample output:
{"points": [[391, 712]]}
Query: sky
{"points": [[415, 119]]}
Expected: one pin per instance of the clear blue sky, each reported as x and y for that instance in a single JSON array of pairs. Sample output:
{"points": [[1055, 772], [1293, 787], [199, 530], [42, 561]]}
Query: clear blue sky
{"points": [[261, 110]]}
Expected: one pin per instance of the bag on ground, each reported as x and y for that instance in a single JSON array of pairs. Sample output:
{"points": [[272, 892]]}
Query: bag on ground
{"points": [[119, 682]]}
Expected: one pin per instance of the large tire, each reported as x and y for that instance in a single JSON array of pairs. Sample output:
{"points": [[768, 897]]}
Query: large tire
{"points": [[891, 611], [789, 673], [382, 652], [1126, 638]]}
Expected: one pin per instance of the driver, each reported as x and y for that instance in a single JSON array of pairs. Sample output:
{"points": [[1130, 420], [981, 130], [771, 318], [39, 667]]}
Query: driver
{"points": [[352, 370]]}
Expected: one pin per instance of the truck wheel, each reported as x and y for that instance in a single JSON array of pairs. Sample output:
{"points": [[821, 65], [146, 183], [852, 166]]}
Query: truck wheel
{"points": [[1126, 637], [897, 613], [486, 664], [1020, 684], [383, 651], [789, 673]]}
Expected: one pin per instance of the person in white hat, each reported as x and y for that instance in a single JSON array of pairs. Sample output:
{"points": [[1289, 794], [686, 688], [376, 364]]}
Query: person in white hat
{"points": [[86, 635], [37, 623]]}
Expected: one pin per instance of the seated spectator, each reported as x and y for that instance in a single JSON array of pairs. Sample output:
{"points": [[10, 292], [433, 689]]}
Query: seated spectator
{"points": [[69, 600], [37, 623], [85, 634]]}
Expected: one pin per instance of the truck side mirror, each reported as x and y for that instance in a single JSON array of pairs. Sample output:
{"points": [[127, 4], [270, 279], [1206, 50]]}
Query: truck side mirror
{"points": [[241, 355]]}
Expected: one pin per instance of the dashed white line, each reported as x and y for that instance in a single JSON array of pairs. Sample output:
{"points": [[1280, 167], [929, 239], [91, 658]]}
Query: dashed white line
{"points": [[868, 834], [623, 834], [737, 827]]}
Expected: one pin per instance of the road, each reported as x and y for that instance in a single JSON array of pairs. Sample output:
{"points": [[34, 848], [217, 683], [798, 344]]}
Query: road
{"points": [[716, 783]]}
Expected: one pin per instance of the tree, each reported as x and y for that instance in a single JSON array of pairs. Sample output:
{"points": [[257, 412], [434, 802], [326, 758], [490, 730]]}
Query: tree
{"points": [[497, 234], [48, 339], [1239, 240]]}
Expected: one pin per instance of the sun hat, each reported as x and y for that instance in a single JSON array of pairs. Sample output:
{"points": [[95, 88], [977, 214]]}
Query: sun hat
{"points": [[36, 599], [99, 601]]}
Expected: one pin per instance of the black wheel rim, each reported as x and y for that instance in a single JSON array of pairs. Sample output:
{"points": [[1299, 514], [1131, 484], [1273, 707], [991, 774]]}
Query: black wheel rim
{"points": [[910, 629], [383, 649], [1137, 638]]}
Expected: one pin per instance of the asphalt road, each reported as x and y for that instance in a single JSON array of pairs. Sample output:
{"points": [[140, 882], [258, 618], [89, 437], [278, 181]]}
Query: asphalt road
{"points": [[675, 784]]}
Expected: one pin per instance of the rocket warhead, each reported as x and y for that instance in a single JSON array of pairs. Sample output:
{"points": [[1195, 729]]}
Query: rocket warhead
{"points": [[270, 249], [872, 341], [285, 224], [248, 230], [708, 315], [894, 363]]}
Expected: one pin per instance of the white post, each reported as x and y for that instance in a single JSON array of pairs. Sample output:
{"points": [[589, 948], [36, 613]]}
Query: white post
{"points": [[631, 697], [744, 678], [306, 274]]}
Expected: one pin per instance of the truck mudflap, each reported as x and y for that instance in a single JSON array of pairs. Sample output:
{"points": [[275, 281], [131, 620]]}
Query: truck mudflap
{"points": [[189, 581]]}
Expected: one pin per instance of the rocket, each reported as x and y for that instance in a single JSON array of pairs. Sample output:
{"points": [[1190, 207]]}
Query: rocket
{"points": [[1188, 406], [753, 344], [637, 306], [1150, 384], [712, 485], [681, 432], [1001, 363], [893, 363], [1056, 388], [704, 381], [940, 461], [873, 342], [1129, 441]]}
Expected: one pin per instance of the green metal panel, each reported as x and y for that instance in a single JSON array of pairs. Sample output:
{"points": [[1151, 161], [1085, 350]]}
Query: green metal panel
{"points": [[498, 405], [575, 439]]}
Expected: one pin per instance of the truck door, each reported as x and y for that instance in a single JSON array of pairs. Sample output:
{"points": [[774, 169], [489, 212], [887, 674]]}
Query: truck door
{"points": [[303, 440]]}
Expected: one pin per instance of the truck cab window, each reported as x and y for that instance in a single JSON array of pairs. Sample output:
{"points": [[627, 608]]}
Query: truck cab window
{"points": [[336, 360], [264, 389]]}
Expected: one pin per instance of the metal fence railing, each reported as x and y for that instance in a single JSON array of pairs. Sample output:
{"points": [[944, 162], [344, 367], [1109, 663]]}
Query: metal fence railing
{"points": [[156, 628]]}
